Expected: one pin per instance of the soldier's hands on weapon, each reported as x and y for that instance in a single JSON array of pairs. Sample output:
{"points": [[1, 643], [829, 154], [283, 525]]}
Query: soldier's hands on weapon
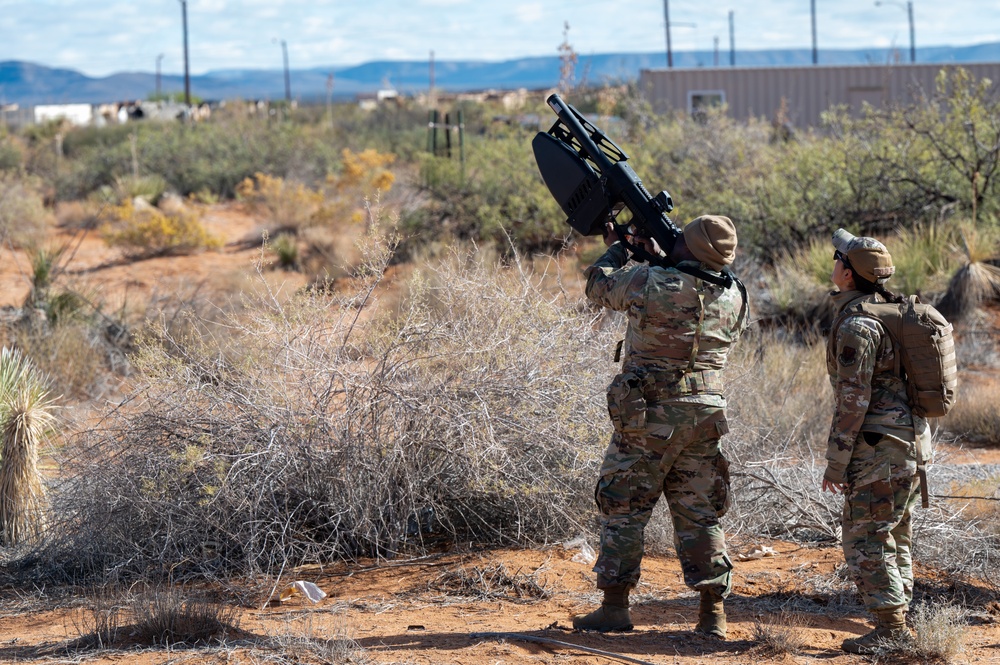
{"points": [[610, 234]]}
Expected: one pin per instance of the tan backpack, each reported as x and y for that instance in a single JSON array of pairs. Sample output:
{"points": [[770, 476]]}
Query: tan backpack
{"points": [[925, 355]]}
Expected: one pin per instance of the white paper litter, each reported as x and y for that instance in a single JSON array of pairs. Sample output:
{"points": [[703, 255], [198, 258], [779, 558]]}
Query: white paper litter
{"points": [[585, 555], [307, 589]]}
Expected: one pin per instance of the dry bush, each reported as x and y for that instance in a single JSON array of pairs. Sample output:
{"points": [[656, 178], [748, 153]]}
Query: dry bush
{"points": [[24, 220], [775, 636], [780, 405], [474, 413], [941, 632], [77, 215], [490, 582], [287, 206], [143, 231]]}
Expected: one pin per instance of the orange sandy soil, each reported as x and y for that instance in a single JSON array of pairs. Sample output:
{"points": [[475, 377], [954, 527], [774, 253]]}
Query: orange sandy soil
{"points": [[403, 612], [398, 613]]}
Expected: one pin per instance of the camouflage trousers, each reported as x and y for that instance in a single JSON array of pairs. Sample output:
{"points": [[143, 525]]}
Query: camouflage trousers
{"points": [[676, 453], [877, 528]]}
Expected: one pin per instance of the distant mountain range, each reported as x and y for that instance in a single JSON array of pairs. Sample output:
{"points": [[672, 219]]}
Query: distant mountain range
{"points": [[31, 84]]}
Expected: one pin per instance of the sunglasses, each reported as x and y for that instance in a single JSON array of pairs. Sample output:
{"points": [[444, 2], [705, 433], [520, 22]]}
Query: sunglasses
{"points": [[837, 256]]}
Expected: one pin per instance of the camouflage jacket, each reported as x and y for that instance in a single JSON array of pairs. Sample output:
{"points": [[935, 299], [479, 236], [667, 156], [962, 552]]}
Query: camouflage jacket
{"points": [[868, 395], [677, 324]]}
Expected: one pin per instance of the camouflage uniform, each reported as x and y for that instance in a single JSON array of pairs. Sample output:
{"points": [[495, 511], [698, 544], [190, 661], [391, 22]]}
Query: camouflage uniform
{"points": [[668, 413], [874, 444]]}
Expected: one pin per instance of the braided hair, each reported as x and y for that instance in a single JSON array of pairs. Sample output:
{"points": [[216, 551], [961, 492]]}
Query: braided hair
{"points": [[863, 285]]}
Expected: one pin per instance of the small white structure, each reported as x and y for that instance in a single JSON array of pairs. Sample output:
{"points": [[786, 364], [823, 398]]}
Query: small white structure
{"points": [[76, 114]]}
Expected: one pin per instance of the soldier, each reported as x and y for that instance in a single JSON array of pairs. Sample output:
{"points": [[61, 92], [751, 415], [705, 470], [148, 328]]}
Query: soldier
{"points": [[872, 450], [668, 414]]}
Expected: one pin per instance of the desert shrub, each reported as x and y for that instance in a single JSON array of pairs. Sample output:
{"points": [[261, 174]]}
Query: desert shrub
{"points": [[286, 248], [24, 219], [496, 197], [286, 206], [472, 412], [11, 154], [941, 631], [145, 231], [149, 188]]}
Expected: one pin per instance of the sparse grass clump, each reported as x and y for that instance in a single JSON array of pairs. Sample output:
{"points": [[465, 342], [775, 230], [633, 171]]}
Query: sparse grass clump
{"points": [[776, 636], [941, 632]]}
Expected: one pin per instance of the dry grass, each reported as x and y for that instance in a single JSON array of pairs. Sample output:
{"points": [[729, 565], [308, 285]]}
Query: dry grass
{"points": [[775, 636], [165, 617], [975, 417], [490, 582]]}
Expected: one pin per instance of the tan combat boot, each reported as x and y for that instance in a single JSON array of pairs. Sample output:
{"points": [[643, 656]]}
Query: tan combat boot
{"points": [[711, 615], [890, 633], [611, 616]]}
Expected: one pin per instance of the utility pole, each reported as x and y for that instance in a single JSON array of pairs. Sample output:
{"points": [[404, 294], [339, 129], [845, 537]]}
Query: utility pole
{"points": [[666, 18], [187, 70], [913, 44], [732, 41], [329, 98], [812, 5], [159, 59], [431, 101], [288, 80], [909, 14], [715, 51]]}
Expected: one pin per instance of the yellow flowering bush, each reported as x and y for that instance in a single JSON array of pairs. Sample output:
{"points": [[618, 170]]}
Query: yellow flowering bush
{"points": [[148, 231]]}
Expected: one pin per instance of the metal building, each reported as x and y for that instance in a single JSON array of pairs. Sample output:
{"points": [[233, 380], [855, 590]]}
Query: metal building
{"points": [[807, 91]]}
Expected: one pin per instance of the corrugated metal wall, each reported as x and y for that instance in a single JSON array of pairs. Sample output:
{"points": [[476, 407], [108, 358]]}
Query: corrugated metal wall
{"points": [[808, 91]]}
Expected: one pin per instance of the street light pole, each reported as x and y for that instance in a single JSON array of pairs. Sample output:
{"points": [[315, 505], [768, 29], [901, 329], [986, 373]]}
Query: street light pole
{"points": [[908, 7]]}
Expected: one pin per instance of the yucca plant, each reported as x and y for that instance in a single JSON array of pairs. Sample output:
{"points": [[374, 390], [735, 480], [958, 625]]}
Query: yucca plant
{"points": [[977, 280], [26, 415]]}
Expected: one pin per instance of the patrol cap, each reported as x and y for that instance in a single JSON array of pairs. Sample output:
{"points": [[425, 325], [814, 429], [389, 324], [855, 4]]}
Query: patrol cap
{"points": [[869, 258], [712, 240]]}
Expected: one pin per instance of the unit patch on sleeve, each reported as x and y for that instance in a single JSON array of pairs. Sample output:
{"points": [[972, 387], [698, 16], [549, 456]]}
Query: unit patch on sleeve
{"points": [[848, 356]]}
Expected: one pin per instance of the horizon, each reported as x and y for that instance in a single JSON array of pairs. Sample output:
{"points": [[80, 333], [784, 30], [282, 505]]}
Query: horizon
{"points": [[102, 39]]}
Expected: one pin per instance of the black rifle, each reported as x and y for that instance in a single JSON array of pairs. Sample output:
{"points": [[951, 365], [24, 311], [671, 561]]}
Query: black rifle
{"points": [[591, 180]]}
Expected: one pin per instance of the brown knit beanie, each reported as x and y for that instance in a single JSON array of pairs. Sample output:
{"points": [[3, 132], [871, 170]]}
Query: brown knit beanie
{"points": [[712, 240]]}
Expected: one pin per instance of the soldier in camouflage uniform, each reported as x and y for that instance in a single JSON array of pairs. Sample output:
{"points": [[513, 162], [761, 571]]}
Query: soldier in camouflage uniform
{"points": [[668, 413], [874, 445]]}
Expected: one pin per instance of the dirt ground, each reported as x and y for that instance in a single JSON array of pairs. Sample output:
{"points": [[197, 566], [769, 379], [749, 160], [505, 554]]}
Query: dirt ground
{"points": [[464, 608], [461, 607]]}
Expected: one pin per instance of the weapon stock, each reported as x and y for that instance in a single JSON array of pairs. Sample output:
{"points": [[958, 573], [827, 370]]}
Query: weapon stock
{"points": [[590, 178]]}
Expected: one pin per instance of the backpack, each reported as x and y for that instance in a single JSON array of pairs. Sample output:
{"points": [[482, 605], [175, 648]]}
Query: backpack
{"points": [[924, 347]]}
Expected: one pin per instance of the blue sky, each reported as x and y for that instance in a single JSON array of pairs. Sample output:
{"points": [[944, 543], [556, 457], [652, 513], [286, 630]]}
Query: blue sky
{"points": [[100, 38]]}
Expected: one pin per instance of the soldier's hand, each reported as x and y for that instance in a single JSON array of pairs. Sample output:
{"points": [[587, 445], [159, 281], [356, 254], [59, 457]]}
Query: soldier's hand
{"points": [[834, 488], [610, 235]]}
